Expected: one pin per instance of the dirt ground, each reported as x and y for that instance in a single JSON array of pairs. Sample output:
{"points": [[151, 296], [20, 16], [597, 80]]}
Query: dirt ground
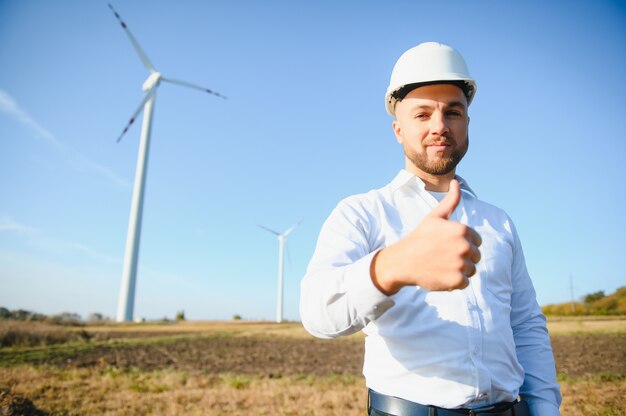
{"points": [[575, 355], [585, 355], [263, 356]]}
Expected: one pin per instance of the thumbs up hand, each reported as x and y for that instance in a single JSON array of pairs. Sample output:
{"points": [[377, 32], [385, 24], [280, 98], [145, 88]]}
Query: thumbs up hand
{"points": [[438, 255]]}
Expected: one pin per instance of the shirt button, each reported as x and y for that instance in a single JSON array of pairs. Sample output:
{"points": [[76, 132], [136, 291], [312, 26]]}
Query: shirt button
{"points": [[476, 350]]}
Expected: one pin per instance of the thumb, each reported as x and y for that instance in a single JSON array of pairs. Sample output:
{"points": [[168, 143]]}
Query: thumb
{"points": [[448, 204]]}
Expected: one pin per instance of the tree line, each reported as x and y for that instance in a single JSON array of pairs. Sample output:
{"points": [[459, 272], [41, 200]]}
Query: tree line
{"points": [[596, 303], [67, 318], [63, 318]]}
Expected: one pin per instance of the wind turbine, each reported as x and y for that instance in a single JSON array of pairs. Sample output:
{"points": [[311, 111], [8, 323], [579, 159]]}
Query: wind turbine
{"points": [[282, 237], [129, 275]]}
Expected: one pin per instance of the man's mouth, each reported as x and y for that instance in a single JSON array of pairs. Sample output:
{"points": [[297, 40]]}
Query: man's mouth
{"points": [[439, 146]]}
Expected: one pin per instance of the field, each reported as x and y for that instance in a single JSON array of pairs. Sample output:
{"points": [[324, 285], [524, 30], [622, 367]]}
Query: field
{"points": [[225, 368]]}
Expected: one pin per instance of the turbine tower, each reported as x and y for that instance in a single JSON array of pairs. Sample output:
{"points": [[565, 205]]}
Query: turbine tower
{"points": [[129, 274], [282, 237]]}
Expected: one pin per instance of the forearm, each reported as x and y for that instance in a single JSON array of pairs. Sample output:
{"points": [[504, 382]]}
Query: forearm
{"points": [[532, 341], [534, 353], [338, 301]]}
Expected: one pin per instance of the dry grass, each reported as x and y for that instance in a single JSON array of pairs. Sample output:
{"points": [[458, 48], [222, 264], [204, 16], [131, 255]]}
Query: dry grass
{"points": [[30, 334], [586, 324], [248, 327], [594, 396], [114, 392], [111, 392], [232, 328]]}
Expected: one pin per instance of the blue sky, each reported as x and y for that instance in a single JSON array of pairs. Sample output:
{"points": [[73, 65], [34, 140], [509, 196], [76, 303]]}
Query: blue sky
{"points": [[303, 127]]}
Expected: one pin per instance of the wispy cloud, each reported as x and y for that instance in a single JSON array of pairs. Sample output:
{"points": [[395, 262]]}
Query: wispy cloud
{"points": [[7, 224], [38, 239], [77, 160], [95, 254]]}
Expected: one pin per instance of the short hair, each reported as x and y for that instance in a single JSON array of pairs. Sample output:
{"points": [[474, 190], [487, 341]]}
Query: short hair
{"points": [[402, 92]]}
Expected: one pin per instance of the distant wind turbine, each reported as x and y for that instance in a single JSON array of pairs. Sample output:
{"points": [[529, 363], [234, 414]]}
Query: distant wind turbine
{"points": [[129, 275], [282, 237]]}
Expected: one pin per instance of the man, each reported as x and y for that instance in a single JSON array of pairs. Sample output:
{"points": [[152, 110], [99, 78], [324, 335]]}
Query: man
{"points": [[435, 277]]}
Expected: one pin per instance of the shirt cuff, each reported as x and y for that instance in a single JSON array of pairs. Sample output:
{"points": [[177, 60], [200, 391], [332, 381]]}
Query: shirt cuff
{"points": [[369, 302]]}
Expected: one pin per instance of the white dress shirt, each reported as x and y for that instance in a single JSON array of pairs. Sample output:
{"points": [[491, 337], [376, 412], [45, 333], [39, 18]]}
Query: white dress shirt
{"points": [[484, 344]]}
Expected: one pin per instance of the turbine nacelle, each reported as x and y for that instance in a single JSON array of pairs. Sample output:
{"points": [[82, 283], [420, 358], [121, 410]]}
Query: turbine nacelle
{"points": [[152, 81]]}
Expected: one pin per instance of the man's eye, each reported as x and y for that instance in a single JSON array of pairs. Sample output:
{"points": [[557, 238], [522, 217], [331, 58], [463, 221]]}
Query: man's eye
{"points": [[421, 116]]}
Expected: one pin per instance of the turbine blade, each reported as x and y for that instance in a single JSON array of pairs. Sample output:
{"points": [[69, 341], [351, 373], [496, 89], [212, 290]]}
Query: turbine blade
{"points": [[290, 229], [190, 85], [136, 113], [270, 230], [140, 52]]}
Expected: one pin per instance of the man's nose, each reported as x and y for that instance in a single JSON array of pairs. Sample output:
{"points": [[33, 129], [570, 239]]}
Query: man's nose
{"points": [[439, 125]]}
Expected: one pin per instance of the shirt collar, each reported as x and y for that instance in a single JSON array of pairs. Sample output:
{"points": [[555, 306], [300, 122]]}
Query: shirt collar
{"points": [[406, 178]]}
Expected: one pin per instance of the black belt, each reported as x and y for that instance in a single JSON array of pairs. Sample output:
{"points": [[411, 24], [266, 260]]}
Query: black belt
{"points": [[400, 407]]}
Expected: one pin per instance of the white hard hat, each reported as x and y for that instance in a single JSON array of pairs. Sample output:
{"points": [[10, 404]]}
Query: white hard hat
{"points": [[428, 63]]}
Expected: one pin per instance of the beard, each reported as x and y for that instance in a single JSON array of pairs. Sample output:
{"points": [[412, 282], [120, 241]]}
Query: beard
{"points": [[439, 166]]}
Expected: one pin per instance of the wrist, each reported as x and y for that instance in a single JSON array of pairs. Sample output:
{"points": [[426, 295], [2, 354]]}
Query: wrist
{"points": [[381, 273]]}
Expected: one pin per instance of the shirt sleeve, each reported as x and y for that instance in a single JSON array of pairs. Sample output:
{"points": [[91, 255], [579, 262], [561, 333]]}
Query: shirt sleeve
{"points": [[337, 295], [532, 342]]}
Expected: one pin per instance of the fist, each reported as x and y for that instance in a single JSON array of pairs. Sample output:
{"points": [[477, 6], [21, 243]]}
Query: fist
{"points": [[438, 255]]}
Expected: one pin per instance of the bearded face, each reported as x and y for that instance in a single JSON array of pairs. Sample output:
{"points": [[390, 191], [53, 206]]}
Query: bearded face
{"points": [[432, 127]]}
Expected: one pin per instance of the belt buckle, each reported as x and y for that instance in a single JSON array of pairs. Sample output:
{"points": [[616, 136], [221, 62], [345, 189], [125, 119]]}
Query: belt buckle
{"points": [[477, 411]]}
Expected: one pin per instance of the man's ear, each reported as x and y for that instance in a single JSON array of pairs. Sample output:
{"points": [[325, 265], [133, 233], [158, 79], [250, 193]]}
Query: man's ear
{"points": [[397, 130]]}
